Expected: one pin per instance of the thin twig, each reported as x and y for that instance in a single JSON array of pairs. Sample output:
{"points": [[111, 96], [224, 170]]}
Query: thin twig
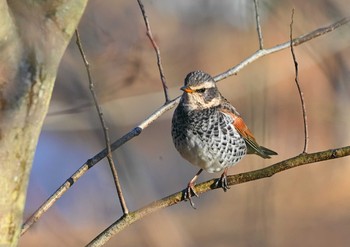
{"points": [[104, 126], [138, 129], [212, 184], [258, 26], [156, 49], [303, 108]]}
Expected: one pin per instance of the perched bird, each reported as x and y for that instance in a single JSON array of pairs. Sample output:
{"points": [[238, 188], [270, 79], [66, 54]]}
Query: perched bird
{"points": [[209, 132]]}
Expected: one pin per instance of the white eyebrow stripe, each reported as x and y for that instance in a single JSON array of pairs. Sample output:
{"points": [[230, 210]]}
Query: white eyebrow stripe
{"points": [[207, 84]]}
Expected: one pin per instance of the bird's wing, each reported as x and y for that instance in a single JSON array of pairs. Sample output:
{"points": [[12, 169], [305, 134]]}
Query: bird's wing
{"points": [[243, 130]]}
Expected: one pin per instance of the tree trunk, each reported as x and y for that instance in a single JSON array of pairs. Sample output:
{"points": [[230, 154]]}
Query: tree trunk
{"points": [[33, 37]]}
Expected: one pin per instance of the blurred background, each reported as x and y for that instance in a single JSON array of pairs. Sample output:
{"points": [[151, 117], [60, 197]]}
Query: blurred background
{"points": [[306, 206]]}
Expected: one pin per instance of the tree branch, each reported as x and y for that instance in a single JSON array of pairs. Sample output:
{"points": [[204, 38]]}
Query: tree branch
{"points": [[177, 197], [93, 161], [297, 41], [156, 49], [138, 129], [258, 26], [301, 95], [104, 126]]}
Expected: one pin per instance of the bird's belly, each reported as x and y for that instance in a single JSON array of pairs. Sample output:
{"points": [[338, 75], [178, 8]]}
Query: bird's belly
{"points": [[213, 155]]}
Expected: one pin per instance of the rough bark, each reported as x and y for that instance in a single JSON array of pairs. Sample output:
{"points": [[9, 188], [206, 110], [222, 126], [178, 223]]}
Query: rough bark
{"points": [[33, 37]]}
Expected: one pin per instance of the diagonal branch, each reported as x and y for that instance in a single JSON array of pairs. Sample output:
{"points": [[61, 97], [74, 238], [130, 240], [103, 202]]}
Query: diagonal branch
{"points": [[297, 41], [175, 198], [93, 161], [138, 129], [301, 95]]}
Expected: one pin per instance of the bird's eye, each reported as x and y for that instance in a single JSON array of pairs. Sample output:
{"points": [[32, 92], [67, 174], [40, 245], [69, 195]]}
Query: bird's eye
{"points": [[201, 90]]}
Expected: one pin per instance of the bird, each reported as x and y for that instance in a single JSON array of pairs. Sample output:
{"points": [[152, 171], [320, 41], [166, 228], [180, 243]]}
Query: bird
{"points": [[209, 132]]}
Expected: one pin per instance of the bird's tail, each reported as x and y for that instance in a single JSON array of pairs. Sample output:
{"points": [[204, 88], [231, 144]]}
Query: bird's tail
{"points": [[261, 151]]}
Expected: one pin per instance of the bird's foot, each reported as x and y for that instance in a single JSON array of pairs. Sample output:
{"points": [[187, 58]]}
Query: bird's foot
{"points": [[222, 181], [189, 192]]}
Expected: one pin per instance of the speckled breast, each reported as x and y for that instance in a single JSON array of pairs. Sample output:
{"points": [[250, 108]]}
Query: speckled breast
{"points": [[207, 138]]}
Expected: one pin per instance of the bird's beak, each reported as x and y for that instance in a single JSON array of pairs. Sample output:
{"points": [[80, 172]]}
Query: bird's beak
{"points": [[186, 89]]}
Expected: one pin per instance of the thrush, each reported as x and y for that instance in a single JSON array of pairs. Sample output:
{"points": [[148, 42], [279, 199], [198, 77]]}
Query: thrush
{"points": [[209, 132]]}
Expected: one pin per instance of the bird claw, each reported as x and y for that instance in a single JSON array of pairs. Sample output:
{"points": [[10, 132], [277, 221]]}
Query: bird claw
{"points": [[189, 192], [222, 182]]}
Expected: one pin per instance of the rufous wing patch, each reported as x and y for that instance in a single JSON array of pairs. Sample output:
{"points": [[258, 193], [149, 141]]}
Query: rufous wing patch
{"points": [[240, 126], [243, 130]]}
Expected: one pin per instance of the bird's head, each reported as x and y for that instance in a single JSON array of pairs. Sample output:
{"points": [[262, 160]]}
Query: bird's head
{"points": [[200, 91]]}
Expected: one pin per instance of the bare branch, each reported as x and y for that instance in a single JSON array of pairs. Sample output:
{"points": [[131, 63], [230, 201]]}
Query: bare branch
{"points": [[266, 172], [297, 41], [258, 26], [93, 161], [301, 95], [104, 127], [156, 49], [138, 129]]}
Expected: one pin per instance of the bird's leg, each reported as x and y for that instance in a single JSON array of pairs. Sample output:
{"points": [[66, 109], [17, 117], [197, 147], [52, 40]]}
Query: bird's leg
{"points": [[190, 189], [223, 180]]}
